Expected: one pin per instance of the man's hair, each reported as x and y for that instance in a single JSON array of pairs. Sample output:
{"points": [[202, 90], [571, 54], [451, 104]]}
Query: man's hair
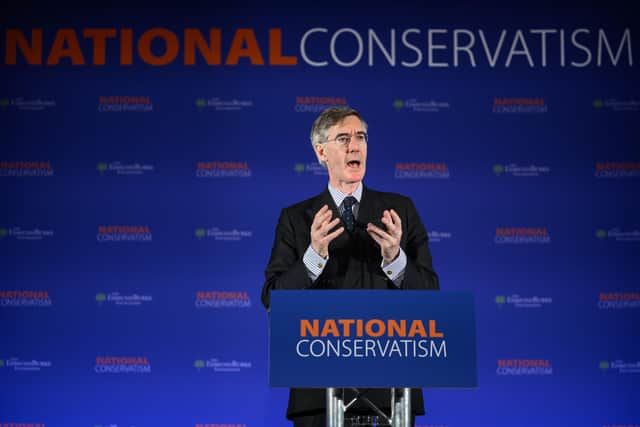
{"points": [[330, 117]]}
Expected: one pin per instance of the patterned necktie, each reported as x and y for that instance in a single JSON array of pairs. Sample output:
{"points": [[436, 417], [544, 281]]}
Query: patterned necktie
{"points": [[347, 213]]}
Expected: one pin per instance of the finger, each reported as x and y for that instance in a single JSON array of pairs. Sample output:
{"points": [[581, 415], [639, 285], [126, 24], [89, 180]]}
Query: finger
{"points": [[396, 218], [394, 224], [387, 221], [329, 237], [375, 237], [321, 212], [321, 218], [379, 232], [330, 225], [386, 218]]}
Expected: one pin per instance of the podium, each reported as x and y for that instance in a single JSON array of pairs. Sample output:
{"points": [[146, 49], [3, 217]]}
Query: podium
{"points": [[337, 339]]}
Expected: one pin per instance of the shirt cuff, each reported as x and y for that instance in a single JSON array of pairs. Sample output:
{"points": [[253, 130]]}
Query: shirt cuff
{"points": [[395, 269], [314, 263]]}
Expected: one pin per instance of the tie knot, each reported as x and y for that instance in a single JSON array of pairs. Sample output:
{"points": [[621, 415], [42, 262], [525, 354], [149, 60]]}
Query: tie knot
{"points": [[349, 201]]}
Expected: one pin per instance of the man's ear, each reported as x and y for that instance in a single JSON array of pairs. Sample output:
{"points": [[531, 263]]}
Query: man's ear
{"points": [[320, 153]]}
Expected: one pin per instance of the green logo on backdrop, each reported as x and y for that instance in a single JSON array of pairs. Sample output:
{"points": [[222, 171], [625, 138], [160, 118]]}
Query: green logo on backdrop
{"points": [[4, 102], [1, 363], [201, 103], [500, 300], [398, 104], [100, 298], [3, 233], [102, 167], [199, 233], [601, 234], [299, 167], [598, 103], [604, 365], [498, 169], [198, 364]]}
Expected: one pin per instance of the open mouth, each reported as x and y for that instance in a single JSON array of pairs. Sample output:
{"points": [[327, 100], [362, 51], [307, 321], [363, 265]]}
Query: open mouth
{"points": [[354, 164]]}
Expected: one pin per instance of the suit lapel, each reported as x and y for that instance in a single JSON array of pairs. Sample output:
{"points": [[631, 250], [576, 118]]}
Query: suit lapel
{"points": [[322, 199]]}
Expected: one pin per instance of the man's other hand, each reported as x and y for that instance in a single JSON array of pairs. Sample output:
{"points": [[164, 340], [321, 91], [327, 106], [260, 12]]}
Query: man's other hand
{"points": [[320, 231]]}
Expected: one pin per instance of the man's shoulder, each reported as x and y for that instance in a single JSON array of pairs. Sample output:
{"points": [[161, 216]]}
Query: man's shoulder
{"points": [[304, 205], [388, 197]]}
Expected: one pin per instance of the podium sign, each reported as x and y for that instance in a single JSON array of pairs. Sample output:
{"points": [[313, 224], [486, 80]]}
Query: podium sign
{"points": [[372, 338]]}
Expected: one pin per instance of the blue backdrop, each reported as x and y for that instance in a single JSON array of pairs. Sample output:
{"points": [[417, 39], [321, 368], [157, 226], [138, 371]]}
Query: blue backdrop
{"points": [[140, 197]]}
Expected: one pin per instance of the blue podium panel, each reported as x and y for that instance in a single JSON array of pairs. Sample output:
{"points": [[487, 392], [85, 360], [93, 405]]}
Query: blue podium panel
{"points": [[372, 338]]}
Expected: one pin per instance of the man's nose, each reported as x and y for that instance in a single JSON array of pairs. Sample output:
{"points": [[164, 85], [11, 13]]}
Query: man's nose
{"points": [[354, 143]]}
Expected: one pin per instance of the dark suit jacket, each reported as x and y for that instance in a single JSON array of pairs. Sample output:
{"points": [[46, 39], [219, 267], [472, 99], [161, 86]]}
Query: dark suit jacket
{"points": [[354, 262]]}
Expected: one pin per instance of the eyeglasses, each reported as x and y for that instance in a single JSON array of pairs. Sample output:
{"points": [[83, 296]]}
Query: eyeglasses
{"points": [[344, 139]]}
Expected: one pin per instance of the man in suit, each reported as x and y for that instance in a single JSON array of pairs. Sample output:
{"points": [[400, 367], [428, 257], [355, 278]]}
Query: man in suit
{"points": [[347, 237]]}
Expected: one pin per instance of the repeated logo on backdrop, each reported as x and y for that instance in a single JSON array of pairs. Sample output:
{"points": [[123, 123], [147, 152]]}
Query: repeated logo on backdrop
{"points": [[517, 301], [617, 170], [17, 364], [223, 169], [413, 170], [317, 104], [32, 234], [27, 104], [414, 105], [25, 298], [617, 234], [620, 367], [124, 234], [123, 299], [437, 236], [125, 104], [222, 104], [513, 169], [222, 235], [312, 168], [122, 365], [124, 168], [4, 423], [524, 367], [26, 169], [618, 300], [617, 105], [222, 299], [519, 106], [522, 236], [221, 366]]}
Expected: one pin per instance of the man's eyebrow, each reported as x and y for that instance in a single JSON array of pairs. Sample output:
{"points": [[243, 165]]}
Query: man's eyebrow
{"points": [[342, 134]]}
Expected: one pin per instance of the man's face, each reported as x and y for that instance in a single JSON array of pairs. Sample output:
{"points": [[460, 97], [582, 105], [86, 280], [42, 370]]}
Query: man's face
{"points": [[346, 163]]}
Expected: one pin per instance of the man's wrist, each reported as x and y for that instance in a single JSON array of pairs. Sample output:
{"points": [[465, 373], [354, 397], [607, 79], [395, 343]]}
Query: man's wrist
{"points": [[395, 257], [318, 252], [395, 269], [313, 262]]}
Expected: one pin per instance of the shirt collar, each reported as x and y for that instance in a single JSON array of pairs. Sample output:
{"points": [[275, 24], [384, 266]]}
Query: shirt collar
{"points": [[338, 196]]}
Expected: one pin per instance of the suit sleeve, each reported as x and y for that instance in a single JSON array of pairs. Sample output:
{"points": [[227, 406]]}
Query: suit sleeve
{"points": [[419, 273], [285, 270]]}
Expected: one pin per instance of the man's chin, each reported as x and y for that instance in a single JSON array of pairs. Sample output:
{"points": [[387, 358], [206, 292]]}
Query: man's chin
{"points": [[354, 178], [355, 175]]}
